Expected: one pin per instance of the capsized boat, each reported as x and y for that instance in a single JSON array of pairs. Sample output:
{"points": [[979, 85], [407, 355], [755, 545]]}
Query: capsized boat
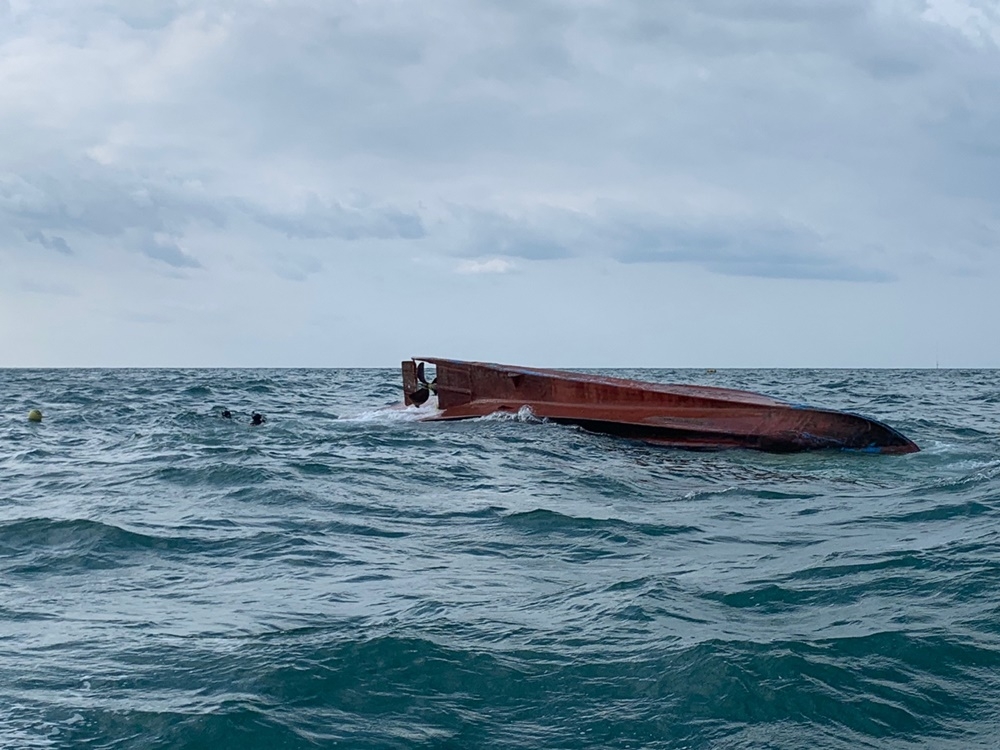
{"points": [[681, 416]]}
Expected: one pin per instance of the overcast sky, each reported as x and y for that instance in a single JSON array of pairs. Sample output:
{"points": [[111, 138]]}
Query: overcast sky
{"points": [[706, 183]]}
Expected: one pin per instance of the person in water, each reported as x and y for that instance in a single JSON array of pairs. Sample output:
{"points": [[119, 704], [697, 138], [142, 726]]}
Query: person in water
{"points": [[226, 414], [257, 419]]}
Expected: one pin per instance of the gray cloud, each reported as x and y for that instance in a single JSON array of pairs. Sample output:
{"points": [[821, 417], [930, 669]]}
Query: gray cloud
{"points": [[49, 243], [101, 202], [490, 234], [300, 268], [773, 105], [726, 244], [91, 201], [849, 140], [167, 251], [318, 221], [739, 247]]}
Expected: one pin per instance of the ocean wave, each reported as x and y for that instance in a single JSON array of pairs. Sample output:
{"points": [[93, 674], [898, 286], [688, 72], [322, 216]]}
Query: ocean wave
{"points": [[397, 690], [47, 545], [547, 521], [523, 414], [392, 414], [172, 579]]}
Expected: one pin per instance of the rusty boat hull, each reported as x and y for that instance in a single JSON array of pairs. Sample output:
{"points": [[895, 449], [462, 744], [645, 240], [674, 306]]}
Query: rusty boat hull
{"points": [[681, 416]]}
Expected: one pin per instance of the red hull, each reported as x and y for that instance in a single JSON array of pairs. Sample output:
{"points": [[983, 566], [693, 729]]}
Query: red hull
{"points": [[683, 416]]}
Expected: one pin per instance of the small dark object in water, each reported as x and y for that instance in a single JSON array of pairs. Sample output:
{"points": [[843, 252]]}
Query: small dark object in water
{"points": [[226, 414], [257, 419]]}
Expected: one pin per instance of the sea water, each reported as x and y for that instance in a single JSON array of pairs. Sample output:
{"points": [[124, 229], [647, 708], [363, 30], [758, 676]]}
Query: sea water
{"points": [[346, 575]]}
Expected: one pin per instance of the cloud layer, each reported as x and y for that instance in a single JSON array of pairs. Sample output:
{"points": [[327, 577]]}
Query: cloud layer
{"points": [[334, 153]]}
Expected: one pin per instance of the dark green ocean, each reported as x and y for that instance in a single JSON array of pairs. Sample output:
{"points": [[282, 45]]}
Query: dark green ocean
{"points": [[346, 576]]}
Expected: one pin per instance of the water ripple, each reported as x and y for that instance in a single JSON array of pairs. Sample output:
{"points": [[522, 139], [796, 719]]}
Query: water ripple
{"points": [[347, 575]]}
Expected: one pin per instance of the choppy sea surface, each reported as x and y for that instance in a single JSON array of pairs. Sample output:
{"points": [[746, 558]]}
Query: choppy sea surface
{"points": [[348, 576]]}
